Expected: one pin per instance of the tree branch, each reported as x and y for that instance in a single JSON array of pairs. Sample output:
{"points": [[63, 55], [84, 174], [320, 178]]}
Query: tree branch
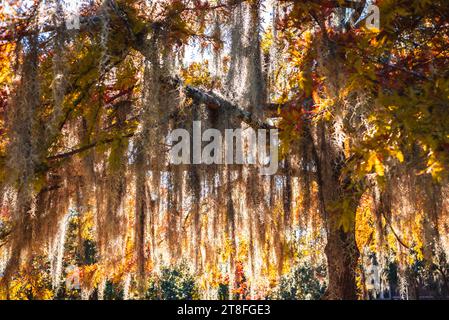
{"points": [[216, 102]]}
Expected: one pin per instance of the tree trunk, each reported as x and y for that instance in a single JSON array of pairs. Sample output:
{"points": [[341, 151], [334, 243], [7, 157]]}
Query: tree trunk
{"points": [[139, 223], [342, 255], [339, 200]]}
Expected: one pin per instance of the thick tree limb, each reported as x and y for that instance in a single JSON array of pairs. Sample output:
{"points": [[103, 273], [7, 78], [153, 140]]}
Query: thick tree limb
{"points": [[216, 102]]}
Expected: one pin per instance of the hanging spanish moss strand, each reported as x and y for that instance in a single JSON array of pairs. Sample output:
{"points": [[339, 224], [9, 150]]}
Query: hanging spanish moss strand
{"points": [[237, 53], [57, 262], [194, 183], [59, 84], [24, 154], [146, 147], [217, 55], [116, 184], [140, 168]]}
